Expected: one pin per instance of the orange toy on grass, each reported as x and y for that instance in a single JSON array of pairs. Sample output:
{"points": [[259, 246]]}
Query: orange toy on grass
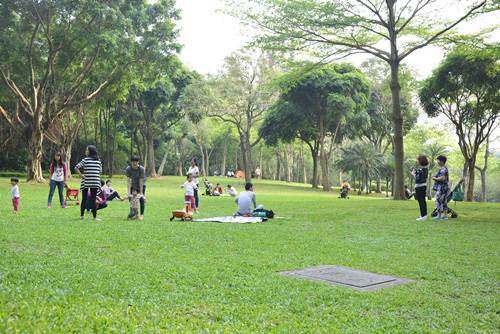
{"points": [[183, 214]]}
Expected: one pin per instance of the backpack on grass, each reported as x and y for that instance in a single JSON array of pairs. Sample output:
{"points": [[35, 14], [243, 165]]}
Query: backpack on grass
{"points": [[263, 213]]}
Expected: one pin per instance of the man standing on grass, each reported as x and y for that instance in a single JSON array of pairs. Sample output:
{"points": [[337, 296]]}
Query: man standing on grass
{"points": [[245, 200], [136, 178]]}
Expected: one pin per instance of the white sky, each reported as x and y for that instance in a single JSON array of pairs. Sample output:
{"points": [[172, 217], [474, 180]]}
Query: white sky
{"points": [[209, 36]]}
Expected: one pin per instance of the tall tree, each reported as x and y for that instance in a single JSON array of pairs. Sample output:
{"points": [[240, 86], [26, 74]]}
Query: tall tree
{"points": [[325, 97], [239, 95], [56, 55], [327, 29], [465, 89]]}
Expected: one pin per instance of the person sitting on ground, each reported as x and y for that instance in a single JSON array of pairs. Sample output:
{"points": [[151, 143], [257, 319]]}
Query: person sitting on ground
{"points": [[110, 193], [100, 200], [245, 200], [135, 198], [217, 189], [231, 190]]}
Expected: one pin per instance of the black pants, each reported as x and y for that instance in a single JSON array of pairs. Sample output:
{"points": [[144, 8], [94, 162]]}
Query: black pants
{"points": [[420, 193], [93, 194]]}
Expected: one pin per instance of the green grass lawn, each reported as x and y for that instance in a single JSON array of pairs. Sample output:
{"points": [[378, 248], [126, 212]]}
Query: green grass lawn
{"points": [[59, 274]]}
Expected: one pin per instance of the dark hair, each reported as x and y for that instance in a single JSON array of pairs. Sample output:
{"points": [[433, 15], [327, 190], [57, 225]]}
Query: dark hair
{"points": [[422, 160], [189, 174], [442, 158], [15, 179], [93, 152], [248, 186], [134, 158], [229, 186], [195, 162], [102, 182], [57, 163], [135, 188], [108, 181], [218, 184]]}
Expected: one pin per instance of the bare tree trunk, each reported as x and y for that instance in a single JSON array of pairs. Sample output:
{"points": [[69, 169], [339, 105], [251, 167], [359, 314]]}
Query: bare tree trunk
{"points": [[35, 152], [303, 161], [224, 154], [164, 160], [150, 156], [483, 171], [278, 165], [397, 119]]}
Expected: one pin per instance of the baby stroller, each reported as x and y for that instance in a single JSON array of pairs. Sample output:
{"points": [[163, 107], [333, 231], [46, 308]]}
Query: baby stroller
{"points": [[344, 192], [208, 188], [451, 213]]}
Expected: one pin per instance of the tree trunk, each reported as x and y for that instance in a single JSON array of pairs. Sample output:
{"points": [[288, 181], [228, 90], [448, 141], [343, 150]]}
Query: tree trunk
{"points": [[224, 154], [379, 186], [35, 152], [278, 165], [397, 119], [303, 161], [469, 190], [483, 171], [260, 163], [150, 156], [164, 160], [286, 156], [324, 165]]}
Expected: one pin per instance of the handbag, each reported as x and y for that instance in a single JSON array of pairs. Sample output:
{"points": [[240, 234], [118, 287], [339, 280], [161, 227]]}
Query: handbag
{"points": [[457, 195]]}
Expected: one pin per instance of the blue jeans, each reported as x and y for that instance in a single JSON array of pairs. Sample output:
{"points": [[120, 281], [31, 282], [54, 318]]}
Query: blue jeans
{"points": [[113, 195], [196, 196], [60, 186]]}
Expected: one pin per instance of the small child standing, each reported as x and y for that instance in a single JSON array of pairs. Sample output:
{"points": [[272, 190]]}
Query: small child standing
{"points": [[14, 193], [134, 197], [190, 188]]}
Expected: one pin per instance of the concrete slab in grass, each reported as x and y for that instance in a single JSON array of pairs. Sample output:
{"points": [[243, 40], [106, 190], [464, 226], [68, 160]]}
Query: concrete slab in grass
{"points": [[347, 277]]}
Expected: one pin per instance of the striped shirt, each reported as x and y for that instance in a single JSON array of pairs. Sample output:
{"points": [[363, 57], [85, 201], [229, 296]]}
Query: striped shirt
{"points": [[92, 170]]}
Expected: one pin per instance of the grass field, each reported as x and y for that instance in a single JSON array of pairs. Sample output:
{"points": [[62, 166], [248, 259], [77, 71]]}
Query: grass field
{"points": [[59, 274]]}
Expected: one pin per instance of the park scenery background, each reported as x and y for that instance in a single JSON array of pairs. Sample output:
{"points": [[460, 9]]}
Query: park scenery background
{"points": [[321, 93], [60, 274]]}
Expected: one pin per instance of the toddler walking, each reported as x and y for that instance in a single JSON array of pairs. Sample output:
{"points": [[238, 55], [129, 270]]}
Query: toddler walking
{"points": [[190, 188], [134, 197], [14, 193]]}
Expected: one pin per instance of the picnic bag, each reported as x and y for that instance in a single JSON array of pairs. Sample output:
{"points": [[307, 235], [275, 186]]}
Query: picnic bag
{"points": [[457, 195], [263, 213]]}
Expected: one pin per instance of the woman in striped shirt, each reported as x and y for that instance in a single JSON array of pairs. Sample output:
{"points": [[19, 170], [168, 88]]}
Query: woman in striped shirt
{"points": [[91, 178]]}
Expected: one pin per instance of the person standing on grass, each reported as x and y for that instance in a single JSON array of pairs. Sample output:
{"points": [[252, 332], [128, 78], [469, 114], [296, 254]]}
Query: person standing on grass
{"points": [[245, 200], [193, 170], [14, 193], [58, 178], [441, 186], [191, 187], [420, 175], [136, 178], [134, 199], [91, 179]]}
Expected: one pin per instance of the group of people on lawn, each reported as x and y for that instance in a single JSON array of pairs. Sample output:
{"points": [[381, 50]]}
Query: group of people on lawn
{"points": [[96, 193], [95, 198]]}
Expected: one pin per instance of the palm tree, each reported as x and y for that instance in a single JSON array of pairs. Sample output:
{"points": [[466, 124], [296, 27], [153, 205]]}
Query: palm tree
{"points": [[363, 160]]}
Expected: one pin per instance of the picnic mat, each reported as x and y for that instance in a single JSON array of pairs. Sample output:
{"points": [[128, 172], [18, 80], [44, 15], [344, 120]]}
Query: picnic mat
{"points": [[232, 219]]}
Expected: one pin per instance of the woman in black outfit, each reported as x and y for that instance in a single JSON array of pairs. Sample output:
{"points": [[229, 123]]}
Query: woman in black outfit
{"points": [[420, 175]]}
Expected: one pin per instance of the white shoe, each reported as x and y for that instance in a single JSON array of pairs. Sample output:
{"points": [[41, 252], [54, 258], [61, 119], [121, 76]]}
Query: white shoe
{"points": [[422, 218]]}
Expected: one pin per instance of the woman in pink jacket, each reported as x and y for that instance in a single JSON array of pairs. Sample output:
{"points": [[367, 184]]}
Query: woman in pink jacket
{"points": [[59, 178]]}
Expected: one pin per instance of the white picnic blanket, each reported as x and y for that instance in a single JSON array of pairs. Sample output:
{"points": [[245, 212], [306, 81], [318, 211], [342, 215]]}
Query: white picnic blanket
{"points": [[232, 219]]}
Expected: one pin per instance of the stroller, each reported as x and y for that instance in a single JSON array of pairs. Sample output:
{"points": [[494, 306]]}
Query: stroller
{"points": [[209, 188], [344, 191], [452, 213]]}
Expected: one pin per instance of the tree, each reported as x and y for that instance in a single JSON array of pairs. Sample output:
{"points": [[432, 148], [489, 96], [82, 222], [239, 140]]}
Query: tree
{"points": [[465, 89], [363, 160], [315, 105], [57, 55], [327, 29], [239, 95]]}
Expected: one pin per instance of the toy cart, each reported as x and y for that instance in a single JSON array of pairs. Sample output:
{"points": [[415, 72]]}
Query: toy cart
{"points": [[72, 195], [183, 214]]}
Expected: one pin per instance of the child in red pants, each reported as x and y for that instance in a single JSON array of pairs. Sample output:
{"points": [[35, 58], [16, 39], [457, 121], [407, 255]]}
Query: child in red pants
{"points": [[189, 194], [14, 193]]}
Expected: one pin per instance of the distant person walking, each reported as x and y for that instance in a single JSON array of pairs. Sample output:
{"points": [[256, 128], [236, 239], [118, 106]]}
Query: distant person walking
{"points": [[420, 175], [193, 170], [91, 179], [257, 173], [441, 185], [136, 178], [58, 178]]}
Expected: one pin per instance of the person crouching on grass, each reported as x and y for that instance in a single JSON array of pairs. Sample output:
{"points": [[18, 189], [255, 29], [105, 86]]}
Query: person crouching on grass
{"points": [[191, 187], [14, 193], [135, 198]]}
